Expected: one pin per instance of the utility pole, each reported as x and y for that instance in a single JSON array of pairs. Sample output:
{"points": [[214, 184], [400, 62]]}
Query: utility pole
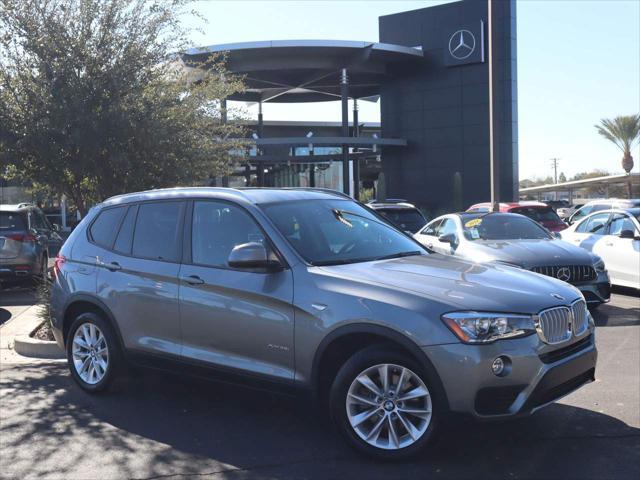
{"points": [[494, 160], [554, 165]]}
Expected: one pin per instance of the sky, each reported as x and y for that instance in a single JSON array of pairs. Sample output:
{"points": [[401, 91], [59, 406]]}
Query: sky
{"points": [[578, 62]]}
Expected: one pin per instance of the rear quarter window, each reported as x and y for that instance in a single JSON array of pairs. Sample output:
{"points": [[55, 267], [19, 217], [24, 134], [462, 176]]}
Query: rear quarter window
{"points": [[104, 228]]}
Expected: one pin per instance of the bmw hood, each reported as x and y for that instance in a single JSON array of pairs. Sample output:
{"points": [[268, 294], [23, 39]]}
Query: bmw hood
{"points": [[457, 284], [527, 253]]}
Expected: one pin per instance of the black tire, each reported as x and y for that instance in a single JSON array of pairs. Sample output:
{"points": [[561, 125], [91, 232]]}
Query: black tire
{"points": [[357, 364], [115, 357]]}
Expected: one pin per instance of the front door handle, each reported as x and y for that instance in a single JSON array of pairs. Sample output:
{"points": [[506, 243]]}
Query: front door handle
{"points": [[192, 279], [113, 266]]}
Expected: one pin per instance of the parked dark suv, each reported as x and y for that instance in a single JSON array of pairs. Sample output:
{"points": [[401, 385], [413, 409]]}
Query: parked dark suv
{"points": [[312, 290], [27, 241]]}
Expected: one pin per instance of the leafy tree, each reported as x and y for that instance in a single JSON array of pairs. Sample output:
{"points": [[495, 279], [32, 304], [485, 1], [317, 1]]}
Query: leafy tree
{"points": [[562, 177], [94, 100], [624, 132]]}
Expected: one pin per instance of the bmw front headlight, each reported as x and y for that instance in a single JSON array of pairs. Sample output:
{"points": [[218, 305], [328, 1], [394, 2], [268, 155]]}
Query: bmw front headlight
{"points": [[484, 327]]}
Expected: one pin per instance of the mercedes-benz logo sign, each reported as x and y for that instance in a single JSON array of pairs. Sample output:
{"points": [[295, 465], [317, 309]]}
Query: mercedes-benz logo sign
{"points": [[564, 274], [462, 44]]}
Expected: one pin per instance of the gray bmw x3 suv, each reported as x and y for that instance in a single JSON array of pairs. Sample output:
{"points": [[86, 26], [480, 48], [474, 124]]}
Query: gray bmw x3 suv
{"points": [[311, 290]]}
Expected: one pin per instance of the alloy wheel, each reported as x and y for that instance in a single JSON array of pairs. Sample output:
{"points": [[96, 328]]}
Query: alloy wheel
{"points": [[389, 406], [90, 353]]}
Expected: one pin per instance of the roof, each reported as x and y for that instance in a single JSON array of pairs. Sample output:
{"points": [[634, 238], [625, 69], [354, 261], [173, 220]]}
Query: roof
{"points": [[284, 71], [249, 195], [588, 182], [390, 206], [16, 207], [511, 204]]}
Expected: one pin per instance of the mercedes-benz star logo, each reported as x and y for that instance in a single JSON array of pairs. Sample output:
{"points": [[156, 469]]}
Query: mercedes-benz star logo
{"points": [[462, 44], [564, 274]]}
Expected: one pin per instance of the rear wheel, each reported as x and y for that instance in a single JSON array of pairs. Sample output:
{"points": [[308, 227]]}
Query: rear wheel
{"points": [[93, 353], [384, 404]]}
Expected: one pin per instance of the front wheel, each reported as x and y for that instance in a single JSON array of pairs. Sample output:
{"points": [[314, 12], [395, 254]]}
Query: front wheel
{"points": [[384, 404], [93, 353]]}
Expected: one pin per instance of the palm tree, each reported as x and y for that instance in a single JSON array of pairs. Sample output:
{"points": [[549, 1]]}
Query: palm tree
{"points": [[623, 131]]}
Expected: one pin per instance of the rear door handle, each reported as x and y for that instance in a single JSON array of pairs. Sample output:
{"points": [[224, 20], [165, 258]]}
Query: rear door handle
{"points": [[192, 279]]}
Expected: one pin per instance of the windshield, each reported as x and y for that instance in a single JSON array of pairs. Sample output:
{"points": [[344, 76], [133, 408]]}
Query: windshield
{"points": [[497, 226], [539, 214], [407, 219], [332, 232]]}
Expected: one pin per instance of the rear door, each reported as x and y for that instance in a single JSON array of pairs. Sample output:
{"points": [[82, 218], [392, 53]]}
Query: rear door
{"points": [[234, 318], [138, 275]]}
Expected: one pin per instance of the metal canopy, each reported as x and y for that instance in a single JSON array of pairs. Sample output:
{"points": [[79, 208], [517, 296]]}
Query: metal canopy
{"points": [[300, 71]]}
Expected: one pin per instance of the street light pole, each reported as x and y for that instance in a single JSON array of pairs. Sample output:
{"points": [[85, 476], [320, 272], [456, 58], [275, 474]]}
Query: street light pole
{"points": [[493, 150]]}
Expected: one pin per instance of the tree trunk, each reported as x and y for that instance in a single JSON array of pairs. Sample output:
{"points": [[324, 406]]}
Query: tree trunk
{"points": [[627, 162]]}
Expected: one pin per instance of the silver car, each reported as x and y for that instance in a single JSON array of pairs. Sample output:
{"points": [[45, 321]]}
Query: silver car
{"points": [[312, 291], [27, 241], [515, 240]]}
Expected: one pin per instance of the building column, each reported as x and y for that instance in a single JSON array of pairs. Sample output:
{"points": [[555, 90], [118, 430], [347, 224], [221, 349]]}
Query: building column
{"points": [[344, 94], [260, 170], [356, 162]]}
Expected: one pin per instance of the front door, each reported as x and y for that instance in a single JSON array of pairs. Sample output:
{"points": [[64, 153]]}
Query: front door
{"points": [[621, 255], [232, 318]]}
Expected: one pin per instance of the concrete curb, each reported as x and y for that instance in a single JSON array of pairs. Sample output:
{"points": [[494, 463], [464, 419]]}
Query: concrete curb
{"points": [[19, 332], [32, 347]]}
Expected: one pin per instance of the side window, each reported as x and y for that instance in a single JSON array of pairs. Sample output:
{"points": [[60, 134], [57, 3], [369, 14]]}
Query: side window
{"points": [[157, 231], [104, 228], [619, 223], [583, 212], [124, 240], [599, 206], [217, 228], [432, 228], [594, 225], [448, 226]]}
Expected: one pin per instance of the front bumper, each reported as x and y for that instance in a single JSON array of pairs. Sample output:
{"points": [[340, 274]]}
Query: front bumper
{"points": [[598, 291], [537, 375]]}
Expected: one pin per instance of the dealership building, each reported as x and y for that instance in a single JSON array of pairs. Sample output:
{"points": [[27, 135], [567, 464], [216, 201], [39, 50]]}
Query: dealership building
{"points": [[430, 74]]}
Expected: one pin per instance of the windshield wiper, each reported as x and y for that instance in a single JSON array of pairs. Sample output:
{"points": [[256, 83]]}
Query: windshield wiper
{"points": [[400, 255]]}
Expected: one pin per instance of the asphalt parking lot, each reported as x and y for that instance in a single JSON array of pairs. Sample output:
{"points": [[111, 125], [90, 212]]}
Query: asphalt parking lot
{"points": [[161, 426]]}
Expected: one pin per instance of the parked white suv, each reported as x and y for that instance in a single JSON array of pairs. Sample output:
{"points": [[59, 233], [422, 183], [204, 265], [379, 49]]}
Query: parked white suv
{"points": [[598, 205]]}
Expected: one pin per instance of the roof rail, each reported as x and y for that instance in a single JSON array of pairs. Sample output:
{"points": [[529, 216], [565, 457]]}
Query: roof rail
{"points": [[305, 189], [389, 200]]}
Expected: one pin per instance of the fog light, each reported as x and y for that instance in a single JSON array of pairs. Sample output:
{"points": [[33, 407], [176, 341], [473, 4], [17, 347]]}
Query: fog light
{"points": [[497, 367]]}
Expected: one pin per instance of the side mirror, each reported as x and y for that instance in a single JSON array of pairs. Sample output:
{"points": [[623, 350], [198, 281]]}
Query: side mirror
{"points": [[627, 234], [252, 255], [449, 238]]}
